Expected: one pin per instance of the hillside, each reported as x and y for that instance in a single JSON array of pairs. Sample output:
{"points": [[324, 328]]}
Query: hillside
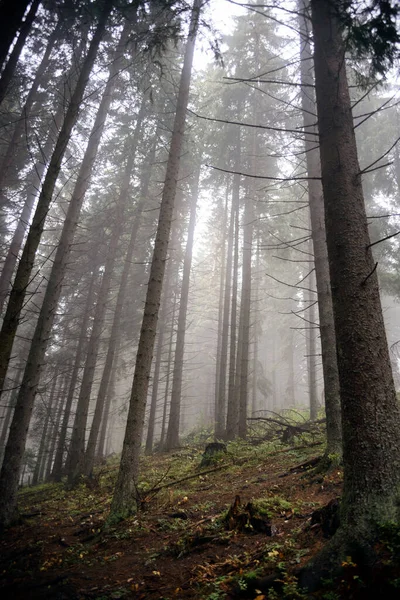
{"points": [[182, 544]]}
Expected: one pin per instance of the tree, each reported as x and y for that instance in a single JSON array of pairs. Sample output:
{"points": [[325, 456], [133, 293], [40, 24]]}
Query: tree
{"points": [[19, 427], [124, 499], [11, 18], [370, 410], [174, 415], [12, 61], [318, 235]]}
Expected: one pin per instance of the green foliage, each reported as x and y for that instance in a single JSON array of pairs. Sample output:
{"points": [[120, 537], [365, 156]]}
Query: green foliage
{"points": [[271, 506], [372, 31], [389, 535]]}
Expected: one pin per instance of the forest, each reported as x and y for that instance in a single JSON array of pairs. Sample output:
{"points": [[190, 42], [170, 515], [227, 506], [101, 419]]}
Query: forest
{"points": [[199, 299]]}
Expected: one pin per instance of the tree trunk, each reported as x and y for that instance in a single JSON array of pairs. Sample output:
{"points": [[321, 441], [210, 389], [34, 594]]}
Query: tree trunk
{"points": [[156, 374], [157, 365], [311, 345], [24, 271], [220, 405], [370, 409], [124, 500], [232, 418], [7, 418], [221, 314], [55, 429], [38, 471], [245, 307], [317, 217], [11, 19], [169, 371], [176, 393], [116, 325], [77, 447], [61, 446], [290, 399], [254, 403], [9, 68], [108, 423]]}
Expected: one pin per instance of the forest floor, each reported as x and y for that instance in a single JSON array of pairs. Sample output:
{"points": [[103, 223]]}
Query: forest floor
{"points": [[183, 543]]}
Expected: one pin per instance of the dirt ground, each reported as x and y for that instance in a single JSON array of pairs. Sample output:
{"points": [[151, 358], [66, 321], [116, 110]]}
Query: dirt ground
{"points": [[179, 545]]}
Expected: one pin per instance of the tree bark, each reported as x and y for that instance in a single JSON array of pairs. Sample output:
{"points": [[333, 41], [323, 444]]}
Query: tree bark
{"points": [[370, 409], [220, 405], [232, 417], [61, 446], [218, 432], [176, 393], [311, 346], [55, 428], [169, 371], [157, 364], [116, 325], [76, 466], [256, 325], [124, 501], [8, 416], [317, 218], [245, 307], [38, 471]]}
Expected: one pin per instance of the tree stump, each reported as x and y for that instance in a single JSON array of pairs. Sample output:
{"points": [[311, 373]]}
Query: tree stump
{"points": [[327, 517], [247, 519], [212, 453]]}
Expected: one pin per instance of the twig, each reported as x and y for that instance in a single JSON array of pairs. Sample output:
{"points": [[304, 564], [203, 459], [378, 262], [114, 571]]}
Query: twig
{"points": [[227, 122], [262, 176], [177, 481], [368, 276], [383, 239]]}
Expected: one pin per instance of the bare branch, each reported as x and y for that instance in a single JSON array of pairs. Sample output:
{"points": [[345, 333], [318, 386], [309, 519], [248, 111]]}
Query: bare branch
{"points": [[262, 176]]}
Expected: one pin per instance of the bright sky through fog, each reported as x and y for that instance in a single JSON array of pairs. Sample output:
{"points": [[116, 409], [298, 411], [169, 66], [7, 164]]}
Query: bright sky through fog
{"points": [[219, 13]]}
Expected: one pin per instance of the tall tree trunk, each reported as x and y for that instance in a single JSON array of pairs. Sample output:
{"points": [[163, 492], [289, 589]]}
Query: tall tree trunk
{"points": [[116, 325], [8, 416], [9, 68], [24, 271], [35, 176], [232, 418], [254, 403], [220, 404], [156, 379], [55, 429], [311, 346], [124, 499], [23, 410], [11, 19], [61, 446], [245, 307], [157, 363], [370, 409], [168, 371], [107, 425], [44, 439], [290, 396], [221, 298], [176, 393], [317, 217], [77, 446]]}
